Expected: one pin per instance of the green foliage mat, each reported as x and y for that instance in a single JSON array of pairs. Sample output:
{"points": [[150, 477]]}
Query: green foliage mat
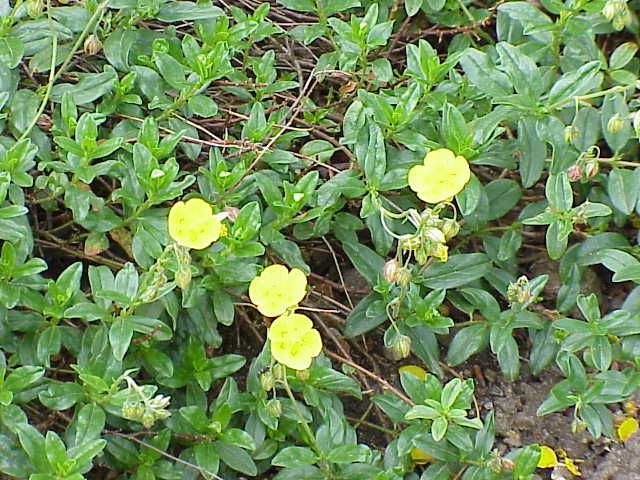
{"points": [[130, 346]]}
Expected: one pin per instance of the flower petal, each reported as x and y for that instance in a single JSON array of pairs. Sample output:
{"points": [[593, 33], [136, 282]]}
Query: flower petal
{"points": [[439, 157], [548, 458], [418, 177], [311, 343], [297, 284]]}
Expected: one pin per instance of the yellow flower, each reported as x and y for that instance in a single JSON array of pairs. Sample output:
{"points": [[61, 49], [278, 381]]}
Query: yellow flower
{"points": [[548, 458], [192, 224], [414, 370], [294, 341], [419, 457], [442, 176], [277, 289], [626, 428]]}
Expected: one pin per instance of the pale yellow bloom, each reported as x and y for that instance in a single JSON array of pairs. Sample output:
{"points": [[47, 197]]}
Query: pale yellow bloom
{"points": [[440, 177], [548, 458], [192, 224], [294, 341], [626, 428], [277, 289]]}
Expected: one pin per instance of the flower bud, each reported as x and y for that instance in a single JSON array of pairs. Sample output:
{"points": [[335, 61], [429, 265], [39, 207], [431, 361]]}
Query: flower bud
{"points": [[570, 133], [274, 407], [519, 292], [636, 123], [403, 277], [157, 173], [450, 228], [441, 252], [35, 8], [267, 381], [434, 234], [408, 242], [506, 464], [92, 45], [591, 167], [390, 270], [44, 122], [302, 375], [232, 213], [610, 9], [279, 372], [183, 276], [574, 172], [400, 347], [615, 124], [132, 410]]}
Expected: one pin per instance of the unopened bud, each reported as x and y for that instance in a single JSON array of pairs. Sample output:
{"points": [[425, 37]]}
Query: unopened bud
{"points": [[279, 372], [274, 407], [409, 242], [519, 292], [450, 228], [570, 133], [615, 124], [574, 172], [35, 8], [390, 270], [591, 167], [400, 347], [403, 277], [610, 9], [132, 410], [92, 45], [267, 381], [302, 375], [441, 252], [506, 464], [232, 213], [434, 234], [183, 276]]}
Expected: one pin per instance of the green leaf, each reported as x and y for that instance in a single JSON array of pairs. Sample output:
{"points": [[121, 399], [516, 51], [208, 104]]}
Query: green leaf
{"points": [[412, 7], [171, 12], [88, 424], [347, 454], [521, 69], [90, 87], [457, 271], [120, 334], [622, 55], [368, 263], [22, 377], [532, 152], [503, 195], [366, 316], [558, 191], [294, 457], [203, 106], [236, 458], [454, 130], [484, 75], [466, 342], [623, 187], [371, 153], [576, 83], [11, 51]]}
